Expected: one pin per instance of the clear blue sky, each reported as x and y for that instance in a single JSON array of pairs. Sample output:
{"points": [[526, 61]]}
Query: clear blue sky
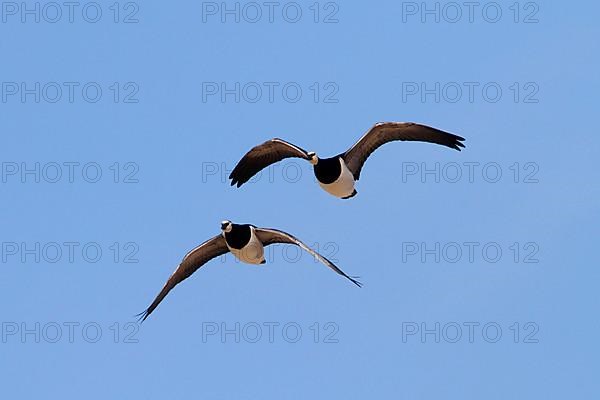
{"points": [[166, 133]]}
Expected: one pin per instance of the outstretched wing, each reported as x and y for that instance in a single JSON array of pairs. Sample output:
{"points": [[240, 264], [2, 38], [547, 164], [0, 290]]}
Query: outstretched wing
{"points": [[191, 262], [385, 132], [270, 236], [262, 156]]}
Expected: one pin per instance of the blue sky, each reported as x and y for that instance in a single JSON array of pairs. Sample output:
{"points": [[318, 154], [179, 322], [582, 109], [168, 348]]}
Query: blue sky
{"points": [[479, 270]]}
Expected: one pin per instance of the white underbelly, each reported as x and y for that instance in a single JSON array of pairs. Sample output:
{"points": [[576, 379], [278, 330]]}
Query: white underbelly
{"points": [[252, 253], [343, 186]]}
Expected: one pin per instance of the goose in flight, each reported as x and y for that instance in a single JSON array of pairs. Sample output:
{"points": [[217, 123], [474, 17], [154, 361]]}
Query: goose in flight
{"points": [[246, 242], [337, 175]]}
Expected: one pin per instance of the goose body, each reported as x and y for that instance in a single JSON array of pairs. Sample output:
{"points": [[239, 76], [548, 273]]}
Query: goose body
{"points": [[243, 243], [335, 177]]}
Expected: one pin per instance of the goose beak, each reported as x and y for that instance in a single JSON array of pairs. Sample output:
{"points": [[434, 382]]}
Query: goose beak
{"points": [[223, 226]]}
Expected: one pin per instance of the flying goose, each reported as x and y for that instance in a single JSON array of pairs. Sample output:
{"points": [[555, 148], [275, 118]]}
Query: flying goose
{"points": [[337, 175], [246, 242]]}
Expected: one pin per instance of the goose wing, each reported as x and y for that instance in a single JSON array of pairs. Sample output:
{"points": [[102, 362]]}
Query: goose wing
{"points": [[385, 132], [262, 156], [191, 262], [270, 236]]}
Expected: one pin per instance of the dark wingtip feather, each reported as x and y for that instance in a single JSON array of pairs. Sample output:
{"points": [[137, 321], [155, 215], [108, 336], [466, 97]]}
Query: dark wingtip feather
{"points": [[141, 317], [355, 281], [457, 144]]}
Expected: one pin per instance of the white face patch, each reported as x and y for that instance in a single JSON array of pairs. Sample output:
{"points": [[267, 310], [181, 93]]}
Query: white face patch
{"points": [[226, 226]]}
